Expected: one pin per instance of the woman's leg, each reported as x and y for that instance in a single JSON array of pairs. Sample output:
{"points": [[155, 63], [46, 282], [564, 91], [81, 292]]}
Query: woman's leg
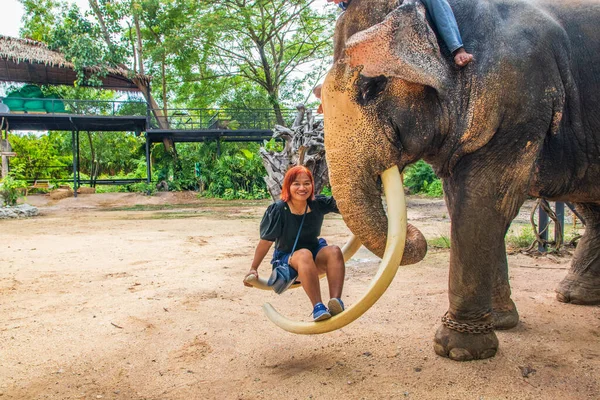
{"points": [[445, 23], [331, 261], [302, 261]]}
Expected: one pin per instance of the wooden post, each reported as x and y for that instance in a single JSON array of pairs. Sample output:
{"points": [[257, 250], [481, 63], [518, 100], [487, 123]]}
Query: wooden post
{"points": [[5, 152], [4, 166]]}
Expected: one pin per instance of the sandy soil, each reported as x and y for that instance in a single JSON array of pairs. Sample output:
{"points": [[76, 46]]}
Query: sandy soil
{"points": [[101, 298]]}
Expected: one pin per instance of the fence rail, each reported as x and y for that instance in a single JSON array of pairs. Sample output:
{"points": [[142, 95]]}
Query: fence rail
{"points": [[225, 119], [176, 118], [78, 107]]}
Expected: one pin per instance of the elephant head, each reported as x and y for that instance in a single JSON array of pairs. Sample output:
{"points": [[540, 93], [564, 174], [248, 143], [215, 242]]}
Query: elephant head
{"points": [[377, 102]]}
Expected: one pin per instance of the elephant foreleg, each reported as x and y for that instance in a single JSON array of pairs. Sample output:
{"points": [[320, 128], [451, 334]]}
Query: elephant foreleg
{"points": [[504, 310], [582, 284], [478, 280]]}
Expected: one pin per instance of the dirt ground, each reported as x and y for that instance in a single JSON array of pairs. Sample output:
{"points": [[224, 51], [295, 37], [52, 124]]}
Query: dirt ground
{"points": [[121, 296]]}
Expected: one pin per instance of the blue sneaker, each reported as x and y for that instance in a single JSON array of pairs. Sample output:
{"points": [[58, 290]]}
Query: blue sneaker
{"points": [[320, 312], [335, 306]]}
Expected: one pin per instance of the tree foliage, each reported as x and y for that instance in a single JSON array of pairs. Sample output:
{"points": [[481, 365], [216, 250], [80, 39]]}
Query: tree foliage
{"points": [[201, 54], [64, 28], [246, 54], [39, 19], [266, 41], [420, 178]]}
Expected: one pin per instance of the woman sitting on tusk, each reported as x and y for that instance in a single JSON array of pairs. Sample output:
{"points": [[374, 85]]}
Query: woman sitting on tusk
{"points": [[281, 224]]}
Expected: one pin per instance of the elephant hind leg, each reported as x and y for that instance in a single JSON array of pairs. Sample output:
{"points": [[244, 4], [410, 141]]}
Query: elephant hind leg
{"points": [[582, 283]]}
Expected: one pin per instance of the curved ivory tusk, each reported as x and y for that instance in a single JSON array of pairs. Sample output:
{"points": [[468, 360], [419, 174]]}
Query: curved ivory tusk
{"points": [[348, 250], [396, 238]]}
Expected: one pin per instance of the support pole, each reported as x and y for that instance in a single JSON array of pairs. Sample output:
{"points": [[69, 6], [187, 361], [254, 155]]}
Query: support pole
{"points": [[543, 225], [560, 216], [218, 147], [75, 168], [78, 162], [148, 165]]}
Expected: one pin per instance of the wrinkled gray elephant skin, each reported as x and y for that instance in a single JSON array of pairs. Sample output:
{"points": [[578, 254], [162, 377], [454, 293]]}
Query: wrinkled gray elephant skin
{"points": [[523, 119]]}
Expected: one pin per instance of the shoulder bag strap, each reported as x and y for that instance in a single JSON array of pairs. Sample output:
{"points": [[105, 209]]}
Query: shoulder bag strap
{"points": [[299, 229]]}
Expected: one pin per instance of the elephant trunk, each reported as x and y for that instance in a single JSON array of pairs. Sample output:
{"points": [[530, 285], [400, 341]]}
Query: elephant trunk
{"points": [[359, 149], [359, 201]]}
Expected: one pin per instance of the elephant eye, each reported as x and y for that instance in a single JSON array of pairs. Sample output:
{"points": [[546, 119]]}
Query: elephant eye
{"points": [[369, 88]]}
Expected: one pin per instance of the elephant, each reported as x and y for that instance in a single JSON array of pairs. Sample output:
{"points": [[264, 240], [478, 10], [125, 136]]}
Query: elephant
{"points": [[522, 120]]}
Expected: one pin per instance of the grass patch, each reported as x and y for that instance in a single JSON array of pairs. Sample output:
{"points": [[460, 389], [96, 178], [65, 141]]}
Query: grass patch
{"points": [[202, 204], [153, 207], [169, 215], [522, 240], [439, 242], [572, 236], [180, 215]]}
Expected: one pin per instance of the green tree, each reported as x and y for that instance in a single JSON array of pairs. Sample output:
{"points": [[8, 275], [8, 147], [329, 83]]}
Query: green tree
{"points": [[39, 157], [39, 18], [265, 42]]}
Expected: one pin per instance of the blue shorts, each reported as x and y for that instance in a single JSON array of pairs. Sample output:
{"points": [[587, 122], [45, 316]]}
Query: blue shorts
{"points": [[281, 257]]}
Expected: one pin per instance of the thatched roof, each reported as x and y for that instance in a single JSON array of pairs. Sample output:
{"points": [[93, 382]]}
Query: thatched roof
{"points": [[24, 60]]}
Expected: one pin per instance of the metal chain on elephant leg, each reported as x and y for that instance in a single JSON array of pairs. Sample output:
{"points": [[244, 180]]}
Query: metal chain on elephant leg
{"points": [[466, 327]]}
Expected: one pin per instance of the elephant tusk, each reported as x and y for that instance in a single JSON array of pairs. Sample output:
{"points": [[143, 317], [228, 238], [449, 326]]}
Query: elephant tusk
{"points": [[396, 238], [349, 249], [258, 283]]}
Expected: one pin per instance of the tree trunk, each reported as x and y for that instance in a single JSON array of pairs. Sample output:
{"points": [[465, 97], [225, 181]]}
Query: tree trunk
{"points": [[303, 146], [164, 84], [161, 118], [278, 114], [138, 33], [133, 50], [94, 6]]}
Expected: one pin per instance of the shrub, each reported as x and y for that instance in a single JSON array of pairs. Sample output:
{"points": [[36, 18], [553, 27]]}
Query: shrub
{"points": [[434, 189], [521, 240], [142, 187], [420, 178], [11, 190]]}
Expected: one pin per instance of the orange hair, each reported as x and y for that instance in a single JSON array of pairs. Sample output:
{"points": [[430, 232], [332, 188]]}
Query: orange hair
{"points": [[290, 177]]}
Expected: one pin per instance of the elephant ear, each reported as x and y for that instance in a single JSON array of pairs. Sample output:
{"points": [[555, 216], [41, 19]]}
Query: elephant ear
{"points": [[403, 46]]}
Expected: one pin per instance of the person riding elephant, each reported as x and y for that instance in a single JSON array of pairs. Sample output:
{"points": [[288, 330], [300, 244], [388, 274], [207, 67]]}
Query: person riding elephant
{"points": [[521, 121], [444, 22]]}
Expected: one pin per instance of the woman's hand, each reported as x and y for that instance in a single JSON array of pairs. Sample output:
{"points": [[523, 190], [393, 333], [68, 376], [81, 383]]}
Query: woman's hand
{"points": [[251, 272]]}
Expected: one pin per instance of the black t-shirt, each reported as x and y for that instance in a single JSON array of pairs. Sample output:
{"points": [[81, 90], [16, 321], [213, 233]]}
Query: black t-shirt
{"points": [[279, 225]]}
